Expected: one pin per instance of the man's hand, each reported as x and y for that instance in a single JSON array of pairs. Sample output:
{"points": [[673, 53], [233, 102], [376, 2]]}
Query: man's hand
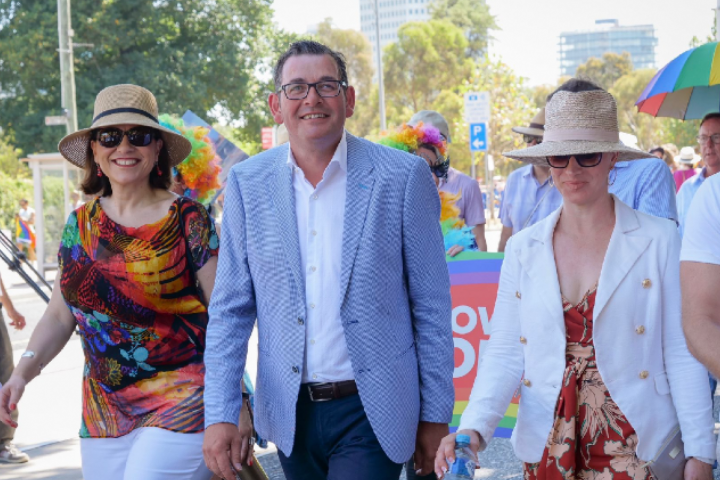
{"points": [[697, 470], [428, 439], [222, 449], [18, 320]]}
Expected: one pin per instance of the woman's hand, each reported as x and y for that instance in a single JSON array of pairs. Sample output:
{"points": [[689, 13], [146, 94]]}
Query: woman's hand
{"points": [[10, 395], [698, 470], [454, 250], [446, 450]]}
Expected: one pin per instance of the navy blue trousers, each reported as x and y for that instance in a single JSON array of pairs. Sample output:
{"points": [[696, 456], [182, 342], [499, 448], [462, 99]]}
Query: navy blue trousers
{"points": [[334, 441]]}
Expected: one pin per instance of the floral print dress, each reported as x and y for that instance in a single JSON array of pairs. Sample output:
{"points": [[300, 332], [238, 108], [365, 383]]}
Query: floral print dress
{"points": [[591, 438], [140, 317]]}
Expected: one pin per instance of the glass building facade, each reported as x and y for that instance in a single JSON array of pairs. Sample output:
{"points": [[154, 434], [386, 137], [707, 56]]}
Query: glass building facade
{"points": [[575, 48], [393, 13]]}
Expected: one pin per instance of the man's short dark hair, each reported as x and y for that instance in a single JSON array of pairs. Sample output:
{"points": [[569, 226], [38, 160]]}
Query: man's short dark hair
{"points": [[309, 47], [576, 85], [710, 116], [658, 149]]}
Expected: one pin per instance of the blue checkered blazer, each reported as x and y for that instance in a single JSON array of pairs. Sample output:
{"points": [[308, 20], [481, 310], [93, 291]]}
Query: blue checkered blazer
{"points": [[396, 309]]}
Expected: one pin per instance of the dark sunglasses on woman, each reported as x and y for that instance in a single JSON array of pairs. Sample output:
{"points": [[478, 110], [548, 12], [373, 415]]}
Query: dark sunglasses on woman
{"points": [[137, 136], [585, 160], [532, 138]]}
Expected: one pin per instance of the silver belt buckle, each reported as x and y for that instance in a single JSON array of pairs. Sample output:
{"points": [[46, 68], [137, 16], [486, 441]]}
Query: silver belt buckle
{"points": [[313, 399]]}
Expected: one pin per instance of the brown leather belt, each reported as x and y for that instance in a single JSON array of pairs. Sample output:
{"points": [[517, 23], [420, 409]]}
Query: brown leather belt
{"points": [[324, 392]]}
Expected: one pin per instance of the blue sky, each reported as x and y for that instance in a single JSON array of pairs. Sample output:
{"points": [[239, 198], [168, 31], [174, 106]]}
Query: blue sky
{"points": [[529, 31]]}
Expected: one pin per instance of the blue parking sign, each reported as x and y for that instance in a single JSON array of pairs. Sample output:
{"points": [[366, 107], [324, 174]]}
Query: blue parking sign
{"points": [[478, 137]]}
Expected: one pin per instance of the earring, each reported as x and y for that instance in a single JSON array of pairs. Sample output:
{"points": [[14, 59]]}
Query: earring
{"points": [[99, 172], [159, 172], [612, 182]]}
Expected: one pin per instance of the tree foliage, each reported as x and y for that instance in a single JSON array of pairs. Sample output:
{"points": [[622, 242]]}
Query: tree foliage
{"points": [[606, 70], [202, 56], [358, 53], [650, 131], [427, 58], [472, 17]]}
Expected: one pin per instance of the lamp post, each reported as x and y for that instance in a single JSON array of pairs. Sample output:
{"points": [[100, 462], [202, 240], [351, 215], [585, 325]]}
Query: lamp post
{"points": [[381, 90]]}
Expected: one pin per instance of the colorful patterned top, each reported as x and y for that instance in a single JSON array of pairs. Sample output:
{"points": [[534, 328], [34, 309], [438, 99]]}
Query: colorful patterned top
{"points": [[140, 317]]}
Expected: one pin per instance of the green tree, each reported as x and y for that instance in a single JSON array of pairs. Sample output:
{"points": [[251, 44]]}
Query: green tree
{"points": [[191, 54], [650, 131], [511, 105], [427, 58], [358, 53], [10, 163], [472, 17], [606, 70]]}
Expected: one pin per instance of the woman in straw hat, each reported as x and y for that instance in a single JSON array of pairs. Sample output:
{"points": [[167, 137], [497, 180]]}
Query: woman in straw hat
{"points": [[137, 266], [587, 324]]}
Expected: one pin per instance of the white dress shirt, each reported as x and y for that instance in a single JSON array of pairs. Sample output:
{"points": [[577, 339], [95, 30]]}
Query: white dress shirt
{"points": [[320, 214]]}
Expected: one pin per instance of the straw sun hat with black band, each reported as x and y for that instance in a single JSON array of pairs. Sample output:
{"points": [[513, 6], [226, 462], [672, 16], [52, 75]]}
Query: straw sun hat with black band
{"points": [[577, 123], [123, 105]]}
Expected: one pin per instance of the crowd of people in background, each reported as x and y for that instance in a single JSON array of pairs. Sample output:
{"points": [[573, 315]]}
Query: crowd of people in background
{"points": [[335, 247]]}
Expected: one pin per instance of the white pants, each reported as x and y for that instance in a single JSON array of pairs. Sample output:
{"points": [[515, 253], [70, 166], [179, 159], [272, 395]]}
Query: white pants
{"points": [[145, 454]]}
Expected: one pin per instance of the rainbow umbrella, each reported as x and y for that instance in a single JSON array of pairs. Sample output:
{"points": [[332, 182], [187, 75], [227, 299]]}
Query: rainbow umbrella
{"points": [[686, 88]]}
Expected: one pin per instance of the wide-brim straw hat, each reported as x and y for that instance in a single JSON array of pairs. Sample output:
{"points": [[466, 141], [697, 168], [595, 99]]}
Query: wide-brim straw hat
{"points": [[123, 105], [688, 156], [577, 123], [536, 127]]}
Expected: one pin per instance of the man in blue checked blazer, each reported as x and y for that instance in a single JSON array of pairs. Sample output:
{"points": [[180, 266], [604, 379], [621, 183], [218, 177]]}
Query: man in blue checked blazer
{"points": [[333, 243]]}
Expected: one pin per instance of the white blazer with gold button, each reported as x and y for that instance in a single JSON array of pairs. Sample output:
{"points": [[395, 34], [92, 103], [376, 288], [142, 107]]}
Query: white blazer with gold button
{"points": [[639, 343]]}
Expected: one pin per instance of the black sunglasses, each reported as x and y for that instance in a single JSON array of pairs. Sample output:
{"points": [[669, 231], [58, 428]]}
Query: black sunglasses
{"points": [[137, 136], [531, 138], [585, 160]]}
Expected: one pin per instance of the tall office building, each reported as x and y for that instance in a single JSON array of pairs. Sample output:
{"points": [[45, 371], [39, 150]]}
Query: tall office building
{"points": [[393, 13], [576, 48]]}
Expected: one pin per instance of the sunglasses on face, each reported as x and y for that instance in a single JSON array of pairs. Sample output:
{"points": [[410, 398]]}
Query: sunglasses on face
{"points": [[585, 160], [531, 138], [138, 136]]}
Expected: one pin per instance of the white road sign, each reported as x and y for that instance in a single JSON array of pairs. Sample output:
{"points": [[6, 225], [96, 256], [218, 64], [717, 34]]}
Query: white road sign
{"points": [[477, 107], [59, 120]]}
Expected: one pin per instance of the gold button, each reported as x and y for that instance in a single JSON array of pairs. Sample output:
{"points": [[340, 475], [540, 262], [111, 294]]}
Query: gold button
{"points": [[647, 283], [517, 294], [527, 383], [644, 374], [523, 340], [640, 330]]}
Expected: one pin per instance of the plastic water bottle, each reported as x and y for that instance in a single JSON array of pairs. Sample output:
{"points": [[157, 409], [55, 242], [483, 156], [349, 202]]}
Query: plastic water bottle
{"points": [[465, 462]]}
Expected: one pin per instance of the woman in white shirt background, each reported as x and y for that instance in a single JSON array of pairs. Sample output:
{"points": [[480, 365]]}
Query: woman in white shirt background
{"points": [[587, 322]]}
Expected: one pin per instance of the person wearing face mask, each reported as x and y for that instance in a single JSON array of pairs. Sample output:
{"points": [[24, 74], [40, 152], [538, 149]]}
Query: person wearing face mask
{"points": [[587, 323], [137, 267], [453, 181], [427, 142]]}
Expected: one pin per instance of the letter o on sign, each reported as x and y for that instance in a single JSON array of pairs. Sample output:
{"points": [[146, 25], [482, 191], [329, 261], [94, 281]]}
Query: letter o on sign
{"points": [[472, 319], [468, 357]]}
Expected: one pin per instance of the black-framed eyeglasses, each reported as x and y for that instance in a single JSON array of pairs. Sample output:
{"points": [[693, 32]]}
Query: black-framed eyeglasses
{"points": [[137, 136], [531, 138], [715, 137], [326, 89], [585, 160]]}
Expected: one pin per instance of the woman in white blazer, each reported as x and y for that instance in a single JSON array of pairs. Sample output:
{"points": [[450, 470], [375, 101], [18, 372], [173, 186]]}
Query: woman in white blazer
{"points": [[587, 322]]}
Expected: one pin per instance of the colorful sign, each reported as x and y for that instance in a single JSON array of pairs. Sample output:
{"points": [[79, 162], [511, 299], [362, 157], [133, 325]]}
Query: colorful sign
{"points": [[474, 278], [266, 134]]}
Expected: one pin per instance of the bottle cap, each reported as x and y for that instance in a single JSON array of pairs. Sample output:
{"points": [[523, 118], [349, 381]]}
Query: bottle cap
{"points": [[463, 439]]}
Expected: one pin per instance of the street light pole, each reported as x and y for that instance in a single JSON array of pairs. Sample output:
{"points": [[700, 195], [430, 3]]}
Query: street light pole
{"points": [[381, 89], [67, 85]]}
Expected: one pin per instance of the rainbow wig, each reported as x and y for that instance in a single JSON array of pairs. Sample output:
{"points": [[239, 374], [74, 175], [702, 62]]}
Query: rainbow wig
{"points": [[201, 168], [408, 139]]}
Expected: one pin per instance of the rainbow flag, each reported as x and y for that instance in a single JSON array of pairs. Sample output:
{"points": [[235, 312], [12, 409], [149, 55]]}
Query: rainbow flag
{"points": [[24, 233], [474, 278]]}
